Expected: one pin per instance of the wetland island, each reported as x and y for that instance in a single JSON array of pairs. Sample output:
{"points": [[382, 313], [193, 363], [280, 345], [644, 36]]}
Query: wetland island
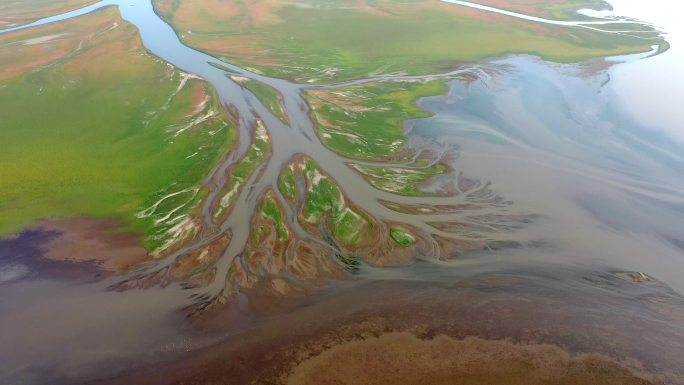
{"points": [[341, 192]]}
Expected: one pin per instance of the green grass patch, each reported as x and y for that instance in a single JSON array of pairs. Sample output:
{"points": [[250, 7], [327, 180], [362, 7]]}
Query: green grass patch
{"points": [[366, 122], [331, 40], [267, 95], [287, 183], [103, 132], [255, 156], [402, 236], [325, 201], [398, 180]]}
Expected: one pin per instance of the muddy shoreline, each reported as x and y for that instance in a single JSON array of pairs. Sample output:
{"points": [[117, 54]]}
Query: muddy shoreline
{"points": [[530, 321], [617, 328], [72, 249]]}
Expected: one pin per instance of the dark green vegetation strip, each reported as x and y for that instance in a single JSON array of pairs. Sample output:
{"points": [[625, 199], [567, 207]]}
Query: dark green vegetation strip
{"points": [[272, 211]]}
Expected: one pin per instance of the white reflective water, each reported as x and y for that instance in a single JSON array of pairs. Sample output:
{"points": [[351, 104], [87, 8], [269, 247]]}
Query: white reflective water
{"points": [[653, 90]]}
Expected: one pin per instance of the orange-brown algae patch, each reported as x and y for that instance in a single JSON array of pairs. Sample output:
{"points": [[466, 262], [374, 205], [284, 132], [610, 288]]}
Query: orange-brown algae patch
{"points": [[373, 9], [13, 13], [453, 247], [100, 242], [403, 358], [387, 252], [27, 50]]}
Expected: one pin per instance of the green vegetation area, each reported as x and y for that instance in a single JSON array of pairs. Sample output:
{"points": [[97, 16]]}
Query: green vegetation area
{"points": [[325, 201], [271, 212], [287, 184], [402, 236], [365, 122], [397, 180], [331, 40], [92, 125], [267, 95], [13, 12], [257, 153]]}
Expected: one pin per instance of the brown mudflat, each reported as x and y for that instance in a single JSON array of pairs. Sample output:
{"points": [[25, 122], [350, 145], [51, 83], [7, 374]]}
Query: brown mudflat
{"points": [[558, 327], [93, 240], [403, 359]]}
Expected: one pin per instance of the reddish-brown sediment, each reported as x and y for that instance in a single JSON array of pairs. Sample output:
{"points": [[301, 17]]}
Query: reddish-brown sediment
{"points": [[274, 267], [403, 358], [387, 252], [269, 258], [372, 9], [528, 7], [419, 209], [24, 51], [451, 248], [100, 242], [193, 269], [507, 327], [22, 12], [196, 265]]}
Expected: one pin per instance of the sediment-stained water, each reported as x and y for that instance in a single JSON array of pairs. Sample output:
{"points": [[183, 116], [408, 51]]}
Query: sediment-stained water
{"points": [[554, 139], [571, 193]]}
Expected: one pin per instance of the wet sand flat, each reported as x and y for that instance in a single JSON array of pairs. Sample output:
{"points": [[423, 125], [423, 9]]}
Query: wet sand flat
{"points": [[403, 359]]}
